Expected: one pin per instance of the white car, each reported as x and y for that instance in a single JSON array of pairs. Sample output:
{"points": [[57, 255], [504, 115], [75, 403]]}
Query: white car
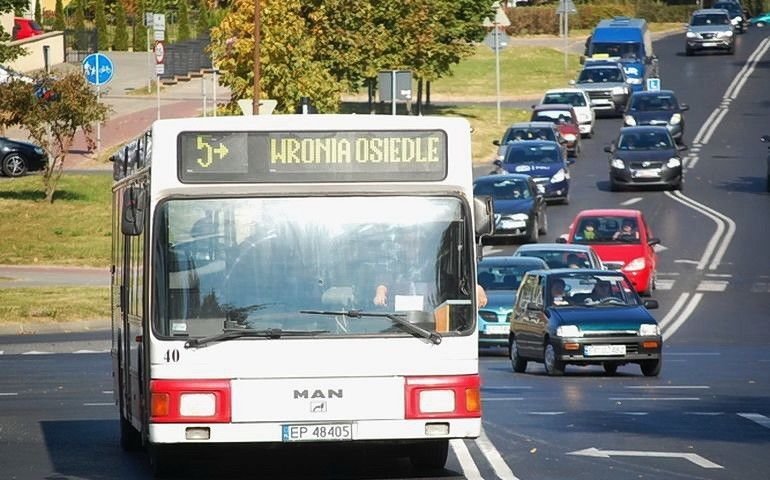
{"points": [[580, 101]]}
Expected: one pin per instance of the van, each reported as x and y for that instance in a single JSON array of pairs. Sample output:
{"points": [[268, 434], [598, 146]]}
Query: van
{"points": [[628, 41]]}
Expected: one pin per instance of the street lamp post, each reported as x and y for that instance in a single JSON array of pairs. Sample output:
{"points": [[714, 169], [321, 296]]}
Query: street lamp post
{"points": [[257, 41]]}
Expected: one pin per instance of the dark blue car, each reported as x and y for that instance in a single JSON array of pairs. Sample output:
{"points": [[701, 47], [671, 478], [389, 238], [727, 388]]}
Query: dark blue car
{"points": [[544, 162], [519, 206]]}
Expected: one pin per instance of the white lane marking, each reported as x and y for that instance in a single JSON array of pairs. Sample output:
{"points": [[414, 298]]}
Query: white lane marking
{"points": [[694, 300], [522, 387], [99, 404], [500, 399], [107, 392], [757, 418], [748, 67], [674, 309], [668, 274], [705, 414], [668, 387], [684, 260], [704, 127], [495, 459], [692, 457], [631, 201], [546, 413], [654, 399], [712, 286], [91, 351], [664, 284], [8, 394], [36, 352], [2, 352], [694, 354], [756, 287], [712, 128], [468, 466], [719, 275], [633, 414]]}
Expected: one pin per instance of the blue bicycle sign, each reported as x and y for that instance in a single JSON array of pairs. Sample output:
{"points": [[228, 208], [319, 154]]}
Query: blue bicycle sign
{"points": [[98, 69]]}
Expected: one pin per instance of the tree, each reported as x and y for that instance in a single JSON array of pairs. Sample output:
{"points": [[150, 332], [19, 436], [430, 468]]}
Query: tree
{"points": [[183, 28], [202, 26], [59, 23], [120, 42], [53, 110], [103, 36], [80, 26], [140, 31], [38, 12], [8, 52]]}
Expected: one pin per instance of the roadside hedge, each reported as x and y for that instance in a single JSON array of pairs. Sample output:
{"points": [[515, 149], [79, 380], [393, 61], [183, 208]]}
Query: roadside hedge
{"points": [[544, 20]]}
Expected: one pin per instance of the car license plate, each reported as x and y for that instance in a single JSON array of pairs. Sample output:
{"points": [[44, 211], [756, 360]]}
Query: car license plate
{"points": [[709, 44], [601, 102], [510, 224], [315, 432], [601, 350], [647, 173], [497, 329]]}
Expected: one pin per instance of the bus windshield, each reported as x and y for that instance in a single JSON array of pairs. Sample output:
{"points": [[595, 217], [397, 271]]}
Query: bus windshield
{"points": [[263, 263], [622, 50]]}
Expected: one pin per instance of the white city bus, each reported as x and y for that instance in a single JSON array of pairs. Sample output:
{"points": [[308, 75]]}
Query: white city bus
{"points": [[247, 257]]}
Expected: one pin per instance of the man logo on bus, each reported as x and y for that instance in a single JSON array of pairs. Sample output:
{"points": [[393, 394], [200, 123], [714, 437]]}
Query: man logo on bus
{"points": [[317, 407], [318, 394]]}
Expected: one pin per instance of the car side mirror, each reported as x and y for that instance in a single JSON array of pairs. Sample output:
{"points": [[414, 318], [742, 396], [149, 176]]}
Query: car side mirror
{"points": [[682, 148], [561, 238], [653, 241], [498, 163], [650, 303], [496, 143], [684, 107], [608, 148]]}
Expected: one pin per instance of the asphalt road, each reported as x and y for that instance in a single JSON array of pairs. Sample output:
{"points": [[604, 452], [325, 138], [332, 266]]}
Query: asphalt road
{"points": [[706, 417]]}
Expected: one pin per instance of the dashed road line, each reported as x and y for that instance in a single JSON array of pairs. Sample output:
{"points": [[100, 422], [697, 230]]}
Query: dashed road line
{"points": [[501, 399], [756, 418], [667, 387], [654, 399], [712, 286], [495, 459], [468, 466], [8, 394], [99, 404]]}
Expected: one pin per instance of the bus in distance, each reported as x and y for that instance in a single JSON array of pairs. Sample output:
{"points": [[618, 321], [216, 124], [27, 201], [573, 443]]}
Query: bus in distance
{"points": [[296, 278]]}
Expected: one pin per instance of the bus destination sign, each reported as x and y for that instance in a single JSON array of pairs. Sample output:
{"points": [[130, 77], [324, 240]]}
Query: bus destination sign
{"points": [[342, 156]]}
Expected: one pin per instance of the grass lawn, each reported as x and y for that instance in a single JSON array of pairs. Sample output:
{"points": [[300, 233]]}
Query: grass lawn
{"points": [[43, 305]]}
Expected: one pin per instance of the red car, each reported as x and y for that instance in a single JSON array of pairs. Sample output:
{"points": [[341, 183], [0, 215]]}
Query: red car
{"points": [[623, 240], [565, 118], [25, 28]]}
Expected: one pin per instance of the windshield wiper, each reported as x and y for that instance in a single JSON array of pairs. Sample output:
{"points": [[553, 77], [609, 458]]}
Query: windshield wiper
{"points": [[398, 319], [232, 333]]}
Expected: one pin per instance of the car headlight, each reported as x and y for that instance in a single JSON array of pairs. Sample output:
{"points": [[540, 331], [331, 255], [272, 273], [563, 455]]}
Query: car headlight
{"points": [[570, 137], [629, 120], [559, 176], [674, 162], [617, 163], [736, 20], [649, 329], [725, 34], [584, 117], [39, 150], [635, 81], [691, 34], [619, 90], [520, 216], [635, 265], [568, 331], [675, 119]]}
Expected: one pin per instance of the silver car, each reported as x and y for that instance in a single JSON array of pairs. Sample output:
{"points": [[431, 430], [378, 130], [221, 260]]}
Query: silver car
{"points": [[606, 84], [710, 29]]}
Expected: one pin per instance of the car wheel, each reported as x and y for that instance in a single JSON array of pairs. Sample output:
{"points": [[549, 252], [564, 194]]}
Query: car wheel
{"points": [[544, 224], [651, 368], [614, 187], [553, 366], [610, 368], [731, 50], [518, 364], [430, 455], [14, 165], [533, 235], [688, 51], [650, 286]]}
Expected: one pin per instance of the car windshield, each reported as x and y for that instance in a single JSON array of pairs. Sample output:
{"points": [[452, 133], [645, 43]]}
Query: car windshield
{"points": [[589, 289], [529, 133], [501, 277], [709, 19], [731, 7], [653, 103], [263, 263], [553, 116], [517, 154], [505, 189], [559, 258], [600, 75], [570, 98], [623, 50], [647, 140], [607, 229]]}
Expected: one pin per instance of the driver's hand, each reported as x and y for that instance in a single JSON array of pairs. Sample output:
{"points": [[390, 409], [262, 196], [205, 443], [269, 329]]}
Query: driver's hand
{"points": [[381, 296]]}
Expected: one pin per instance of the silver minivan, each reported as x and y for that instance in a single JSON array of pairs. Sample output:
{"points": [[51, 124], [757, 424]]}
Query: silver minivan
{"points": [[710, 29]]}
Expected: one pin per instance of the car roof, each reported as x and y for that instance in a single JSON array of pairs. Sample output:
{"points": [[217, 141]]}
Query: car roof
{"points": [[601, 62], [501, 176], [538, 124], [643, 128], [564, 90], [539, 263], [579, 271], [652, 93], [553, 106], [706, 11], [618, 212], [533, 142], [561, 247]]}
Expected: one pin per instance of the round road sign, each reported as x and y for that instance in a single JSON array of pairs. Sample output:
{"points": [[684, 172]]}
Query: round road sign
{"points": [[159, 51]]}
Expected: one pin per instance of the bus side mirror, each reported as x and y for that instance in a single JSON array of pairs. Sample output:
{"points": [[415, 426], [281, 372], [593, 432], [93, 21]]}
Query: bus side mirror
{"points": [[483, 215], [132, 214]]}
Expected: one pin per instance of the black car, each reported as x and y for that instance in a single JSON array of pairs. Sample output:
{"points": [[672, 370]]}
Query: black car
{"points": [[656, 108], [528, 131], [18, 158], [518, 204], [583, 317], [544, 162], [645, 156]]}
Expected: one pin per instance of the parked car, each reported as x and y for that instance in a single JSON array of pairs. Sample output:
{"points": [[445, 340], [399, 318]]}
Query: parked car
{"points": [[738, 17], [544, 162], [583, 317], [623, 240], [18, 158], [760, 20], [710, 29], [659, 107], [562, 255], [25, 28], [501, 276], [606, 83], [644, 157], [580, 102], [529, 131], [566, 120], [519, 206]]}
